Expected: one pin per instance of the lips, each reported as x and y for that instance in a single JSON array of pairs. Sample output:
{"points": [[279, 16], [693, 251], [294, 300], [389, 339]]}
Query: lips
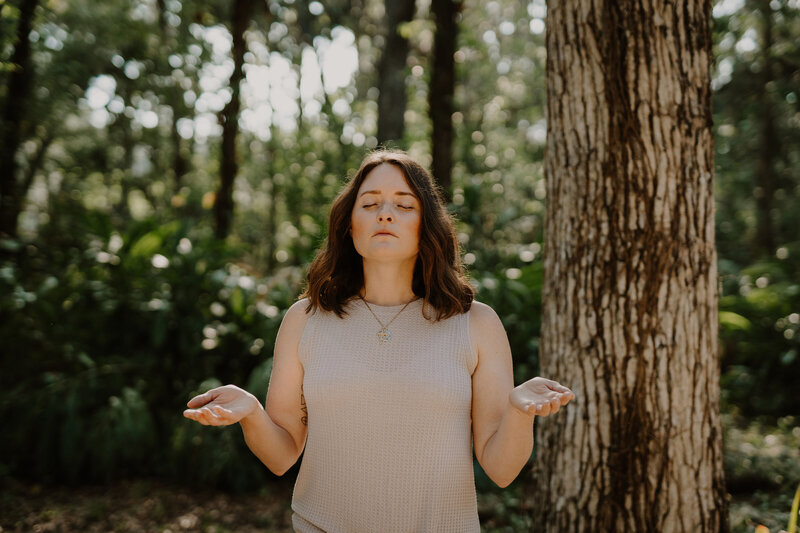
{"points": [[384, 232]]}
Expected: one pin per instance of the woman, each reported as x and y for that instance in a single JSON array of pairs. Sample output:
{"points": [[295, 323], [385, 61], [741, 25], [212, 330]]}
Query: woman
{"points": [[387, 372]]}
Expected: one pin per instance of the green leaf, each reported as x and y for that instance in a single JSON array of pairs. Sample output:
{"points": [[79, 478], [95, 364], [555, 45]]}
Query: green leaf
{"points": [[147, 245], [731, 320], [237, 301]]}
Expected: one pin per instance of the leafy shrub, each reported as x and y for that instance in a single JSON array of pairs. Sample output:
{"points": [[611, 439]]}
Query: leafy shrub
{"points": [[759, 313], [106, 336]]}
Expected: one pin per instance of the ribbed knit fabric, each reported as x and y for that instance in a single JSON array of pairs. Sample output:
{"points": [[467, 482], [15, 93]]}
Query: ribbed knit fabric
{"points": [[389, 444]]}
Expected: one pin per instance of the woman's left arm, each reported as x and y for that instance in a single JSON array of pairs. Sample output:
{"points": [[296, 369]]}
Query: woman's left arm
{"points": [[502, 415]]}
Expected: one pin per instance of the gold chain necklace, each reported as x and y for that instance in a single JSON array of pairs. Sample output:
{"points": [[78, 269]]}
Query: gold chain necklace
{"points": [[384, 334]]}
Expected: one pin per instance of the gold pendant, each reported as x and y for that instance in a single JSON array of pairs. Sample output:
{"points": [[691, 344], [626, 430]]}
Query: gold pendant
{"points": [[384, 335]]}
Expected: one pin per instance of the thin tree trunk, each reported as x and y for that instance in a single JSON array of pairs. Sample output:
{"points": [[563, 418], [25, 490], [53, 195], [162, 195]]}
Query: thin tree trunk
{"points": [[180, 165], [440, 96], [122, 209], [223, 205], [765, 193], [630, 295], [174, 98], [20, 81], [271, 223], [36, 162], [392, 98]]}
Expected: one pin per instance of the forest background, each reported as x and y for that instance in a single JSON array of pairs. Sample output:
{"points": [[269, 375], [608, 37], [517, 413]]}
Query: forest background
{"points": [[165, 172]]}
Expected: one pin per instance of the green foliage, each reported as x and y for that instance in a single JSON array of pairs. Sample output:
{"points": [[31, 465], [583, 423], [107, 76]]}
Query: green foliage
{"points": [[792, 527], [106, 336], [760, 335], [757, 132], [762, 468], [759, 456], [515, 293], [756, 185]]}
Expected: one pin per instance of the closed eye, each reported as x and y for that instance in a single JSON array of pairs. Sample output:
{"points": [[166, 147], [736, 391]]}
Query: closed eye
{"points": [[407, 207]]}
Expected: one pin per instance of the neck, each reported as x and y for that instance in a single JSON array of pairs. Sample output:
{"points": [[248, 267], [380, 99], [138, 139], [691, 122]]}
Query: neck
{"points": [[388, 283]]}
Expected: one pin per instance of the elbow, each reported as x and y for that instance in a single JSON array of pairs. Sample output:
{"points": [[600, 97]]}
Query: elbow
{"points": [[502, 482], [504, 473], [502, 477], [280, 468], [280, 465], [279, 471]]}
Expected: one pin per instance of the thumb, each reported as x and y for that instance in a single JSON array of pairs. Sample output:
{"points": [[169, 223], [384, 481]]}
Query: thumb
{"points": [[201, 399], [558, 387]]}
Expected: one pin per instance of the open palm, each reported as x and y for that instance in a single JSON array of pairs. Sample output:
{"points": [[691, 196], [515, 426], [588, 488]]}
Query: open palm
{"points": [[540, 396], [221, 406]]}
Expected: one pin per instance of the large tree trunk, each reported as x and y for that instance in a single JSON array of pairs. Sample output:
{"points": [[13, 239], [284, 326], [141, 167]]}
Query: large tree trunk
{"points": [[392, 73], [630, 294], [228, 166], [440, 96], [20, 80]]}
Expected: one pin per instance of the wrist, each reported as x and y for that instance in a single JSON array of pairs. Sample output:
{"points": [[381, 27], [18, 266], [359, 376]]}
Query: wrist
{"points": [[255, 410], [517, 410]]}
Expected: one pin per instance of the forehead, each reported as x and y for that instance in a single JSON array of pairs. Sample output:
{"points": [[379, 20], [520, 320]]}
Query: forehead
{"points": [[385, 179]]}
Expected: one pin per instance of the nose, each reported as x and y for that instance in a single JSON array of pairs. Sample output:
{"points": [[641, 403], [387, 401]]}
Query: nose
{"points": [[384, 213]]}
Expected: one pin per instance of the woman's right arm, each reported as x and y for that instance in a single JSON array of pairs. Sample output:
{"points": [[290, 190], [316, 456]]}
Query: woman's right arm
{"points": [[275, 434]]}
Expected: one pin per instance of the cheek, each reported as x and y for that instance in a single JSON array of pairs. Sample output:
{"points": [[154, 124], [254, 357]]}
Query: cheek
{"points": [[356, 226], [418, 230]]}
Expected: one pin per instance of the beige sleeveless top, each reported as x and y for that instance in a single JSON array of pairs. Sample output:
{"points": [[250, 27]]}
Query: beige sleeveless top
{"points": [[389, 444]]}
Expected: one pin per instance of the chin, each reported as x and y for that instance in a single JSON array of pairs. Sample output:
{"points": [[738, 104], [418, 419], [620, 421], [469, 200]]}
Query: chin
{"points": [[387, 256]]}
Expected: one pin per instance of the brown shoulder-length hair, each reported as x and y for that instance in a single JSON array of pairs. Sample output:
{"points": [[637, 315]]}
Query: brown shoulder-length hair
{"points": [[336, 274]]}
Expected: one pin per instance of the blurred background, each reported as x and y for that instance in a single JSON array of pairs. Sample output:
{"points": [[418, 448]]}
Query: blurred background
{"points": [[166, 168]]}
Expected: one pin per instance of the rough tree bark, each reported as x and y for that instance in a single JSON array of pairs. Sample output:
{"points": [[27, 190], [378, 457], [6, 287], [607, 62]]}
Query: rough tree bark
{"points": [[228, 166], [630, 295], [392, 98], [442, 86]]}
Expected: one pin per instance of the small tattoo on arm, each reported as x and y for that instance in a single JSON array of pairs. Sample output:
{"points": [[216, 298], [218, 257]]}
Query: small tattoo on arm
{"points": [[304, 418]]}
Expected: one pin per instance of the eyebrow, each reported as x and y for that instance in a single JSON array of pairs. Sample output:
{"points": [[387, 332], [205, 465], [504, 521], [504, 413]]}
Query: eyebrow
{"points": [[399, 193]]}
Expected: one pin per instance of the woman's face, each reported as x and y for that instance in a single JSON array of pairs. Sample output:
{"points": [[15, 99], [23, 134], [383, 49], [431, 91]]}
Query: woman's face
{"points": [[385, 222]]}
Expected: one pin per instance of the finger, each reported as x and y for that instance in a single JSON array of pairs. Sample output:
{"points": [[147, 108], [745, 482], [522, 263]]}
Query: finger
{"points": [[209, 417], [555, 405], [202, 399], [558, 387], [197, 416], [542, 409]]}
